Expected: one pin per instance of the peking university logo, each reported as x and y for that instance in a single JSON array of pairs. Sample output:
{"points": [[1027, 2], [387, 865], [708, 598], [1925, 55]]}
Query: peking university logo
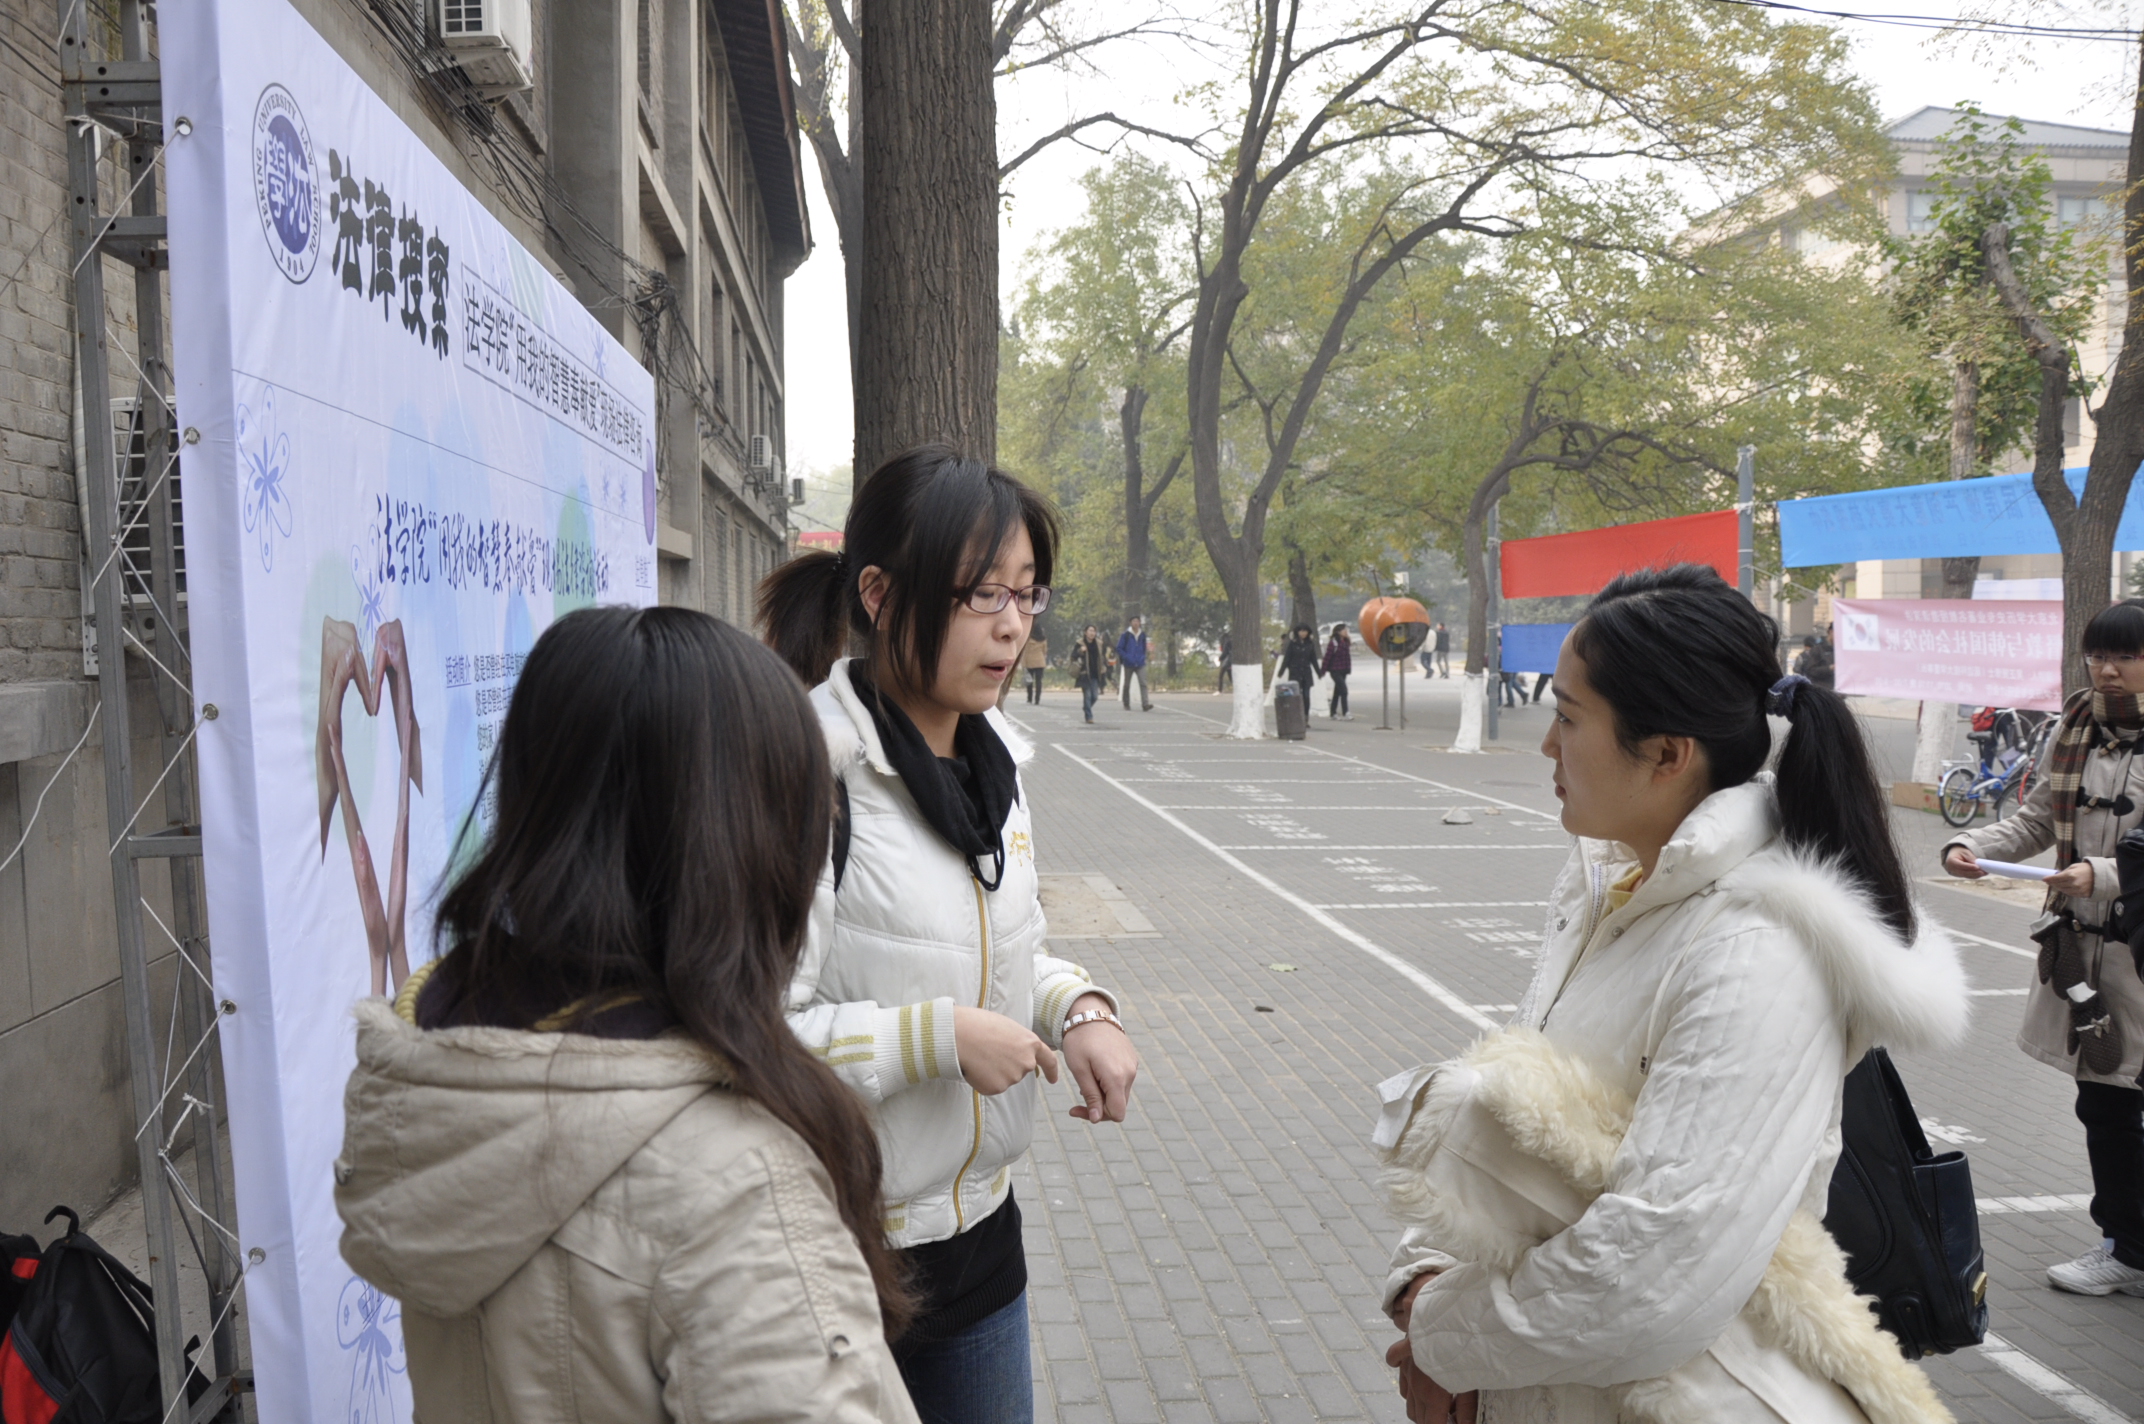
{"points": [[284, 188]]}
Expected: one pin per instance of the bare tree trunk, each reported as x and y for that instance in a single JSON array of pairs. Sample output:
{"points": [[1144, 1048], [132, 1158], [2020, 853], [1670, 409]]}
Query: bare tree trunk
{"points": [[927, 325], [1138, 524], [1302, 595], [1959, 573], [811, 48], [2085, 527]]}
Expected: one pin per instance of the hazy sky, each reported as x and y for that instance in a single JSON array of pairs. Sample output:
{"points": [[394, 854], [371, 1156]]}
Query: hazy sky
{"points": [[2080, 82]]}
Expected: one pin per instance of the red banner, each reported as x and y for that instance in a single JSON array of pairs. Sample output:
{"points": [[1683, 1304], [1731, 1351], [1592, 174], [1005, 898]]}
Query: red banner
{"points": [[1560, 564]]}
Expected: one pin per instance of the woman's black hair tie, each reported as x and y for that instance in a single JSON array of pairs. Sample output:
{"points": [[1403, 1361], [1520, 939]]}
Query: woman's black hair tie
{"points": [[1780, 701]]}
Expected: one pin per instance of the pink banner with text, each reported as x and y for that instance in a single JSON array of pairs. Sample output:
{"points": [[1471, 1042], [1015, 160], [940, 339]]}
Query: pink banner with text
{"points": [[1996, 653]]}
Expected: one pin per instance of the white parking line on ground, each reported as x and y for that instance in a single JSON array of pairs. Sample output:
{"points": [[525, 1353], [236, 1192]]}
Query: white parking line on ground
{"points": [[1441, 905], [1458, 1006], [1511, 845], [1404, 775], [2006, 1206], [1993, 944], [2079, 1403]]}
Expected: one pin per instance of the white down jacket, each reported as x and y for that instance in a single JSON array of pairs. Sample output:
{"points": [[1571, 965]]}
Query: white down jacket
{"points": [[909, 934], [1723, 1006]]}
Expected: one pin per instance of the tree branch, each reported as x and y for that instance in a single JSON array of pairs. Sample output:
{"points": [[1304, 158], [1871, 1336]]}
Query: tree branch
{"points": [[1069, 130]]}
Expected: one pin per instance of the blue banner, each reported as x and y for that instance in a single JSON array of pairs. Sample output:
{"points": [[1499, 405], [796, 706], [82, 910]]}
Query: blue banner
{"points": [[1953, 519], [1532, 647]]}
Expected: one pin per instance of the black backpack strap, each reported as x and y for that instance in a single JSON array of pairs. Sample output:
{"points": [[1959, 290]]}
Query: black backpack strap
{"points": [[841, 830]]}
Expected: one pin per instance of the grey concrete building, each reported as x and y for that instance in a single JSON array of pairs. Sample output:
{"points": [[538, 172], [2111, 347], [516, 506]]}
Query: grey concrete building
{"points": [[645, 151]]}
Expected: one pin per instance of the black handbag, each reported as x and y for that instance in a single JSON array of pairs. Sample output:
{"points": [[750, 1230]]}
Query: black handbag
{"points": [[1906, 1218]]}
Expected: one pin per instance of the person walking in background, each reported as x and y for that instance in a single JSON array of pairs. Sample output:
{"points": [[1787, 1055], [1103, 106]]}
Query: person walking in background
{"points": [[1338, 663], [1722, 947], [1035, 658], [1442, 647], [2085, 1013], [1225, 678], [1090, 667], [1815, 661], [582, 1145], [1541, 683], [925, 982], [1131, 658], [1299, 660]]}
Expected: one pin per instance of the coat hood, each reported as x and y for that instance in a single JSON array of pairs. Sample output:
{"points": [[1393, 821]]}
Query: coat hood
{"points": [[465, 1150], [1906, 996], [852, 734]]}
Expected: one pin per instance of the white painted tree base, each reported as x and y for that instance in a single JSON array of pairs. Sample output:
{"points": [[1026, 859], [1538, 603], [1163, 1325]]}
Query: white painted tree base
{"points": [[1472, 707], [1247, 715], [1931, 743]]}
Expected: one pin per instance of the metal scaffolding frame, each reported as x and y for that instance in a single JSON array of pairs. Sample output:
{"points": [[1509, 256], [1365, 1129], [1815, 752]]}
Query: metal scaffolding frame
{"points": [[136, 605]]}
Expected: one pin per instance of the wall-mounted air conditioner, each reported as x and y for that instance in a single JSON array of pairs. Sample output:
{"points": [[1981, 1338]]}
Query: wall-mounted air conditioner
{"points": [[490, 40], [796, 491], [761, 454]]}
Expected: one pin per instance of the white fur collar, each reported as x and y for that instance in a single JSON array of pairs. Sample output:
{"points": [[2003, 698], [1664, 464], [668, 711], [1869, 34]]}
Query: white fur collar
{"points": [[1913, 997], [852, 735]]}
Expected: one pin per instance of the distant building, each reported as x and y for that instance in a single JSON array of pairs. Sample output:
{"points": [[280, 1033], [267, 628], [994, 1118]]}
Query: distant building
{"points": [[2088, 167]]}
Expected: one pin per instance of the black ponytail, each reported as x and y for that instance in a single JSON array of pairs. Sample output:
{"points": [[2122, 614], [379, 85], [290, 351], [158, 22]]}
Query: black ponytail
{"points": [[934, 521], [804, 612], [1677, 652]]}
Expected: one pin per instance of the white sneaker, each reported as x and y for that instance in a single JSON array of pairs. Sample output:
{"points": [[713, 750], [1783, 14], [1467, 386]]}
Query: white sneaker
{"points": [[2096, 1272]]}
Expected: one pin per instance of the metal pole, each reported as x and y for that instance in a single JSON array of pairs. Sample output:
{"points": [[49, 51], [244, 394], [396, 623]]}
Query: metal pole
{"points": [[1494, 658], [1746, 520], [1403, 694], [93, 367], [160, 472], [1384, 686]]}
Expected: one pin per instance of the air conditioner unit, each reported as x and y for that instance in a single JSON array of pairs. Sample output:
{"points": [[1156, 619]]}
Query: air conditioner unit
{"points": [[796, 491], [761, 453], [490, 40]]}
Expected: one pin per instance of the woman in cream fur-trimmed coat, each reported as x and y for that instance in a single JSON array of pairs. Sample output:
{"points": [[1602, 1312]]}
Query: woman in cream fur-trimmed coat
{"points": [[1620, 1195]]}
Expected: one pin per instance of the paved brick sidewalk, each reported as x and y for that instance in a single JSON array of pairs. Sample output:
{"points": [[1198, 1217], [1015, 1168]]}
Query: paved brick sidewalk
{"points": [[1219, 1256]]}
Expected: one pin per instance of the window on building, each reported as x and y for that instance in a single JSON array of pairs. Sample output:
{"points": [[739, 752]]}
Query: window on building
{"points": [[650, 20], [1921, 211], [718, 318], [2070, 212]]}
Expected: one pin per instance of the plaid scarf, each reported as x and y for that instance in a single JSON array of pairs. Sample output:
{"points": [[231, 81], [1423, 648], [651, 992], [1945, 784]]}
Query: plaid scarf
{"points": [[2116, 717]]}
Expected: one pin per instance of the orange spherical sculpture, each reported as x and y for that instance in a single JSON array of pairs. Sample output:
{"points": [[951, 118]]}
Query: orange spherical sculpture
{"points": [[1394, 627]]}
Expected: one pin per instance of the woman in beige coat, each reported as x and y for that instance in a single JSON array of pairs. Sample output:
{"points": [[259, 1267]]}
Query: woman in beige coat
{"points": [[2084, 1012], [582, 1148]]}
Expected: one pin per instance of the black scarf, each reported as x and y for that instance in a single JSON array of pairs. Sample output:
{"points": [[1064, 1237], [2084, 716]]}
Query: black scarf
{"points": [[966, 796]]}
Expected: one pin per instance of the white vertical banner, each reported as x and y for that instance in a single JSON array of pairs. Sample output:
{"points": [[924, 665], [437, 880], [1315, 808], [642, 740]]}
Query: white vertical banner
{"points": [[407, 449]]}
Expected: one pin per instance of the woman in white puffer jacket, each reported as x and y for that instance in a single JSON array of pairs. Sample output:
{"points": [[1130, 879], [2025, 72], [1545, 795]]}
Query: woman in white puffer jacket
{"points": [[1614, 1204], [924, 981]]}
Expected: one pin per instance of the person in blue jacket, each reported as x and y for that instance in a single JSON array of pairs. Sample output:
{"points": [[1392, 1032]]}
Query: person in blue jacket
{"points": [[1131, 656]]}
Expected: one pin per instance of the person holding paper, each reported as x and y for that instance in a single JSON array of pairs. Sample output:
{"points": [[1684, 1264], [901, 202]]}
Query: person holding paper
{"points": [[2085, 1013]]}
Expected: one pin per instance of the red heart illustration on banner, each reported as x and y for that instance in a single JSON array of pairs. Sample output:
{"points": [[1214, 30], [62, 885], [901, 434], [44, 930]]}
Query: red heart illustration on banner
{"points": [[343, 664]]}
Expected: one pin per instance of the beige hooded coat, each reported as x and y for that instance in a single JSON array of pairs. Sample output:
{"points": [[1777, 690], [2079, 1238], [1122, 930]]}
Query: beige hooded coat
{"points": [[585, 1229]]}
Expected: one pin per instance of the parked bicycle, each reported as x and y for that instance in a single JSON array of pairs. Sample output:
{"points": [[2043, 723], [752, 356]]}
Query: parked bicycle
{"points": [[2009, 741]]}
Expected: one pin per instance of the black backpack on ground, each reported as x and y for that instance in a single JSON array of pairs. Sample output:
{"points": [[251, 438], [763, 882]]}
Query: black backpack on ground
{"points": [[1906, 1219], [80, 1347]]}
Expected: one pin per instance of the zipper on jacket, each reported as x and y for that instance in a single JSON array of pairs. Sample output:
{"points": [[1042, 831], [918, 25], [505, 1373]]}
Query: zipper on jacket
{"points": [[982, 1000]]}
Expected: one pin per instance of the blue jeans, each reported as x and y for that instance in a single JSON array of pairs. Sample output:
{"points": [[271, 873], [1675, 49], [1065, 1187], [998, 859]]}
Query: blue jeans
{"points": [[981, 1376], [1090, 688]]}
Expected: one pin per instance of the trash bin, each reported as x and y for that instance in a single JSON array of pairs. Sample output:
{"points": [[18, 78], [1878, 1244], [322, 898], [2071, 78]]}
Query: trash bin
{"points": [[1290, 718]]}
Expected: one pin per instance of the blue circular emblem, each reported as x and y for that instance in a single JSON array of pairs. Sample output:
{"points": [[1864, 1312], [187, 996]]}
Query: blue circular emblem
{"points": [[286, 189]]}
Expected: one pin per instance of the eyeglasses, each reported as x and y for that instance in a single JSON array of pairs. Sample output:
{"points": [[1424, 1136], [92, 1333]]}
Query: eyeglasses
{"points": [[992, 598], [2125, 661]]}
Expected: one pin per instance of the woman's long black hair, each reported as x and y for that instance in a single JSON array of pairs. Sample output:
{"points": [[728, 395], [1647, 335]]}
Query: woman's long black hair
{"points": [[1677, 652], [934, 521], [663, 804]]}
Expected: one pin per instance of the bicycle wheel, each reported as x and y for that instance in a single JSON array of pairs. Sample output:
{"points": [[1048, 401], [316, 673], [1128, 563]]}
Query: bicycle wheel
{"points": [[1955, 798]]}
